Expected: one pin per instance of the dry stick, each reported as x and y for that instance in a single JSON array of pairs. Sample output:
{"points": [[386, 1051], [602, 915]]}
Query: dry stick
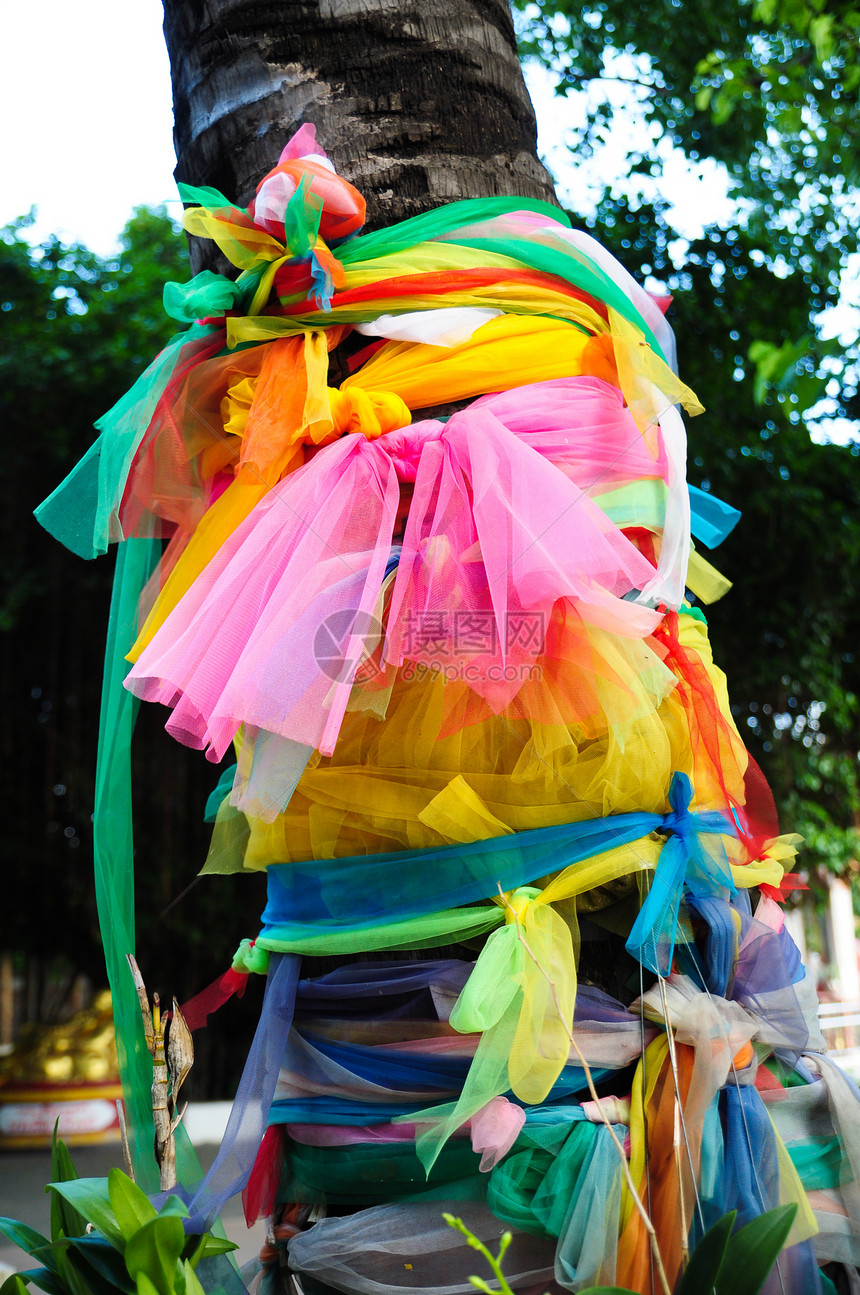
{"points": [[123, 1132], [676, 1129], [625, 1168]]}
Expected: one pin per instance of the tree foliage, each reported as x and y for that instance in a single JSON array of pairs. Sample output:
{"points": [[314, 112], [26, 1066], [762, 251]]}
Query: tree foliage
{"points": [[78, 328], [769, 90]]}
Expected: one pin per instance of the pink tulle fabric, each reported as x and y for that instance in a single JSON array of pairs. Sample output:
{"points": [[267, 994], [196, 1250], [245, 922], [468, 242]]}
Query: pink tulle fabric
{"points": [[493, 1130], [505, 520]]}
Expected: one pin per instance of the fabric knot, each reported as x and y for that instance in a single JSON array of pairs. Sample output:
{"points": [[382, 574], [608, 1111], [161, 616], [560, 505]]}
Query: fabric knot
{"points": [[679, 820], [518, 903], [367, 413], [693, 858], [249, 957]]}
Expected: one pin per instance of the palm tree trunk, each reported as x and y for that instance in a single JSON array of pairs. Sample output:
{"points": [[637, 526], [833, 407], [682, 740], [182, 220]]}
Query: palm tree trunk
{"points": [[417, 102]]}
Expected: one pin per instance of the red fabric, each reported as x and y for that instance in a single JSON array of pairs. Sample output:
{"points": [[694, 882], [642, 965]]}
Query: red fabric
{"points": [[258, 1197], [197, 1010], [791, 881], [440, 281], [767, 1082]]}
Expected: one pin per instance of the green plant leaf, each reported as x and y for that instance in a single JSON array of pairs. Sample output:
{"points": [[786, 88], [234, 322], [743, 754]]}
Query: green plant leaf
{"points": [[65, 1220], [131, 1208], [701, 1273], [192, 1281], [607, 1290], [45, 1280], [90, 1197], [752, 1252], [154, 1251], [13, 1285], [145, 1286], [105, 1261], [214, 1246], [67, 1274], [21, 1235]]}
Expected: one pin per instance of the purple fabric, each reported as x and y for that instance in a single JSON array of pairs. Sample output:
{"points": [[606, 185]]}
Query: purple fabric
{"points": [[248, 1119]]}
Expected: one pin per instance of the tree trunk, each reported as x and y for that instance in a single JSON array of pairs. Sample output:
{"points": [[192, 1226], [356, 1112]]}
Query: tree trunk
{"points": [[417, 102]]}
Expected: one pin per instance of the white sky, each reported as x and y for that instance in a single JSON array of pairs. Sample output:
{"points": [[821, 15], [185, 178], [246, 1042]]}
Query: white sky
{"points": [[94, 138]]}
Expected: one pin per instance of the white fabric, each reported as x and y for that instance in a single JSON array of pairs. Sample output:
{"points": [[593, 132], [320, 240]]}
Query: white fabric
{"points": [[449, 326]]}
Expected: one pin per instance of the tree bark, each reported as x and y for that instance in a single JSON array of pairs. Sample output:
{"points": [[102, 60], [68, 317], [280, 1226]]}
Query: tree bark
{"points": [[417, 102]]}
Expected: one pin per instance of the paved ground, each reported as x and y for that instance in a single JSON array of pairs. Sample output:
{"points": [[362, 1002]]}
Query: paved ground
{"points": [[23, 1175]]}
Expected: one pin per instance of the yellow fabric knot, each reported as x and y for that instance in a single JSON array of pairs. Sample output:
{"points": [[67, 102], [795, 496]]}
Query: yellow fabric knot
{"points": [[370, 413], [518, 903]]}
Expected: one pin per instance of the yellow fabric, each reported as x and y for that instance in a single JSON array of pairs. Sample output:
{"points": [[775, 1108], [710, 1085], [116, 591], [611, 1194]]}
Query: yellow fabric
{"points": [[245, 246], [507, 352], [649, 385], [601, 735], [791, 1191], [705, 581]]}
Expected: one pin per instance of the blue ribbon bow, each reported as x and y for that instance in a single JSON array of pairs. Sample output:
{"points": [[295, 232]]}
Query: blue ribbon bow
{"points": [[685, 861]]}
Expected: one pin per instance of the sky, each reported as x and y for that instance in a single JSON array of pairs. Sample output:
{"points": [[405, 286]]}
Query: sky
{"points": [[98, 138], [92, 138]]}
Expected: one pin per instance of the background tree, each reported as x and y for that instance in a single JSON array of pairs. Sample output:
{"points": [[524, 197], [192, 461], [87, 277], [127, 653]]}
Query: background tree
{"points": [[769, 91], [420, 105], [78, 328], [417, 102]]}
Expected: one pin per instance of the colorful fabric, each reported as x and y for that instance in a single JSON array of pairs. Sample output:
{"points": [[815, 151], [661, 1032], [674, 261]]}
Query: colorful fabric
{"points": [[405, 522]]}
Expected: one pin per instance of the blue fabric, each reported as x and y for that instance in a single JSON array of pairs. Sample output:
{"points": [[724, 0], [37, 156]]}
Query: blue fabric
{"points": [[711, 520], [337, 1110], [218, 793], [328, 898], [391, 1069], [684, 862], [232, 1166]]}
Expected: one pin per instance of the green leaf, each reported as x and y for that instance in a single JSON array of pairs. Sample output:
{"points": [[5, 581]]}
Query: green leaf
{"points": [[130, 1206], [45, 1280], [701, 1274], [607, 1290], [154, 1251], [67, 1274], [192, 1281], [90, 1197], [21, 1235], [65, 1221], [105, 1261], [145, 1286], [752, 1252], [14, 1285], [216, 1246]]}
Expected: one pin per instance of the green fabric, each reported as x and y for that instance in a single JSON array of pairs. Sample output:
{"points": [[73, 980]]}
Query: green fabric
{"points": [[302, 219], [565, 265], [438, 223], [533, 1187], [204, 295], [818, 1163], [372, 1173], [449, 926], [205, 196], [114, 866], [82, 512]]}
